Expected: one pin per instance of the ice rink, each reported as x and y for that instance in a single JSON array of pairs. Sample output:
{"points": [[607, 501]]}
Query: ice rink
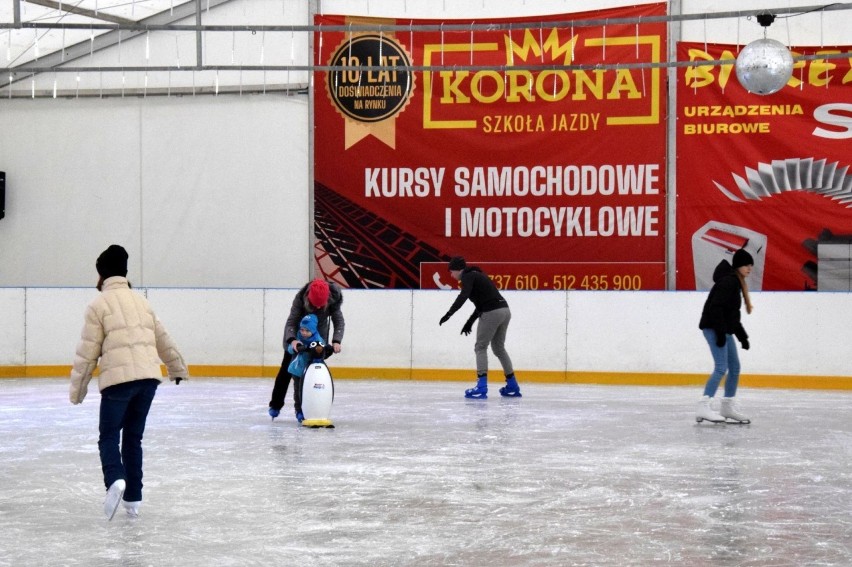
{"points": [[415, 475]]}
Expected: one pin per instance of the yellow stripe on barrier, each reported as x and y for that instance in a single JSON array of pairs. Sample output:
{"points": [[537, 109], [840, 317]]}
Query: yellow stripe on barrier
{"points": [[456, 375]]}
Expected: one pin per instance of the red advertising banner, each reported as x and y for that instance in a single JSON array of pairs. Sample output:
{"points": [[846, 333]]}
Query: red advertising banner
{"points": [[510, 149], [770, 173]]}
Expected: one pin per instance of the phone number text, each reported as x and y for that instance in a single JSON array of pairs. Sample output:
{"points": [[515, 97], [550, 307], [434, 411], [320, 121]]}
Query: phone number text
{"points": [[591, 282]]}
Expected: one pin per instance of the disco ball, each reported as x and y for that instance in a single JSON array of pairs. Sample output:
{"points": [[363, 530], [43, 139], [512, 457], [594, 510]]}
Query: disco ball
{"points": [[764, 66]]}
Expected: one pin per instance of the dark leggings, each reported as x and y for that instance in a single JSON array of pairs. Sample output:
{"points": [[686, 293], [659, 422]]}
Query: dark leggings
{"points": [[282, 383]]}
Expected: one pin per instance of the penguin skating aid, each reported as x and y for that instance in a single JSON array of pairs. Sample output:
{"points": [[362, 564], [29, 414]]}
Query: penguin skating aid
{"points": [[317, 390]]}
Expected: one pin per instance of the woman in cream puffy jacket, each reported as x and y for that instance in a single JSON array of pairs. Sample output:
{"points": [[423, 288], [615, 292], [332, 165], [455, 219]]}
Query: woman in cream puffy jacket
{"points": [[124, 337]]}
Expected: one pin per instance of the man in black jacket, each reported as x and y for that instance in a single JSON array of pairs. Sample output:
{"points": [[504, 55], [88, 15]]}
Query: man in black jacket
{"points": [[493, 313]]}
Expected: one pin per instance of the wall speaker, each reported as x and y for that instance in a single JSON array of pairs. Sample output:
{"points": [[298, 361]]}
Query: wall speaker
{"points": [[2, 194]]}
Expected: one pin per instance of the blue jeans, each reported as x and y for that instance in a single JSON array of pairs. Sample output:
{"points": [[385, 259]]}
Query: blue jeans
{"points": [[725, 359], [124, 410]]}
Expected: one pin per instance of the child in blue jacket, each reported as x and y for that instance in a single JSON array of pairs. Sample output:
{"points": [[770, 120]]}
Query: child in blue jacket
{"points": [[308, 334]]}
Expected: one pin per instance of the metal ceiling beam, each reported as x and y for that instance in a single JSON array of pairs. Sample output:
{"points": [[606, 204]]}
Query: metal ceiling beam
{"points": [[30, 71], [445, 27], [199, 41], [86, 48], [292, 90], [71, 9]]}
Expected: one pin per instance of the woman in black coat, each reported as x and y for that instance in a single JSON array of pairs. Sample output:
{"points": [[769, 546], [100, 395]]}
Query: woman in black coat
{"points": [[720, 323]]}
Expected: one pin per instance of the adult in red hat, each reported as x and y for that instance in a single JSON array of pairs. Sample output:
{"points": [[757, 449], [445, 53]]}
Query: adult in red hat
{"points": [[324, 300]]}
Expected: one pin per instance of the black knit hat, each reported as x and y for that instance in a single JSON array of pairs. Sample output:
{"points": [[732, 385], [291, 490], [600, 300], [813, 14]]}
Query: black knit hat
{"points": [[112, 262], [457, 263], [742, 258]]}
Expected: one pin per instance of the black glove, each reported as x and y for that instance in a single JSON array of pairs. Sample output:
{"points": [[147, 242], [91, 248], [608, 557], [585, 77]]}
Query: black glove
{"points": [[720, 338], [299, 347], [177, 381], [468, 327], [444, 319], [745, 344]]}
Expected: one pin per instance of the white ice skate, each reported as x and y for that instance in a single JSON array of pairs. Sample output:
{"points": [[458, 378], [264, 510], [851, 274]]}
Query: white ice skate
{"points": [[705, 412], [113, 498], [729, 410], [132, 508]]}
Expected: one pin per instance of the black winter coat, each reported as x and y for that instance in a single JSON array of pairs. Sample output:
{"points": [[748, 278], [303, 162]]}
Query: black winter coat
{"points": [[478, 287], [722, 308]]}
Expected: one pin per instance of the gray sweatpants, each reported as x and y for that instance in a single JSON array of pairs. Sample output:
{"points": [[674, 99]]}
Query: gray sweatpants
{"points": [[491, 329]]}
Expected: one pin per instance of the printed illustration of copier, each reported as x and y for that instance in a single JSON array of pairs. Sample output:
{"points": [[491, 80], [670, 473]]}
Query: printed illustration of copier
{"points": [[716, 241], [834, 254]]}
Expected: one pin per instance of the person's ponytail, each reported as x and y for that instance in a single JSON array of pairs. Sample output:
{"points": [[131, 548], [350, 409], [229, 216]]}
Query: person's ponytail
{"points": [[746, 296]]}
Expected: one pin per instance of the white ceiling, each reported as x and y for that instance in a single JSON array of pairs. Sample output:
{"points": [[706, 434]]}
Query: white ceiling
{"points": [[128, 59], [19, 46]]}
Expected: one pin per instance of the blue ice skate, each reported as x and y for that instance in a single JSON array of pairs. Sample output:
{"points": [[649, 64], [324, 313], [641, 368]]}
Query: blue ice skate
{"points": [[480, 391], [511, 389], [273, 413]]}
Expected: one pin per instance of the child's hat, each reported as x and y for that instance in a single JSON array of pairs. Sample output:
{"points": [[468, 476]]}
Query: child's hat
{"points": [[309, 322]]}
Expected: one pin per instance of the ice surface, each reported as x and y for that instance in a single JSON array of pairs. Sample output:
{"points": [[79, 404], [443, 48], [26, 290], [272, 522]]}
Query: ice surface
{"points": [[415, 475]]}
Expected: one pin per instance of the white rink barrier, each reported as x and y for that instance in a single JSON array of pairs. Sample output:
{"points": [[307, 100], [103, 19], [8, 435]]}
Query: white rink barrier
{"points": [[612, 337]]}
